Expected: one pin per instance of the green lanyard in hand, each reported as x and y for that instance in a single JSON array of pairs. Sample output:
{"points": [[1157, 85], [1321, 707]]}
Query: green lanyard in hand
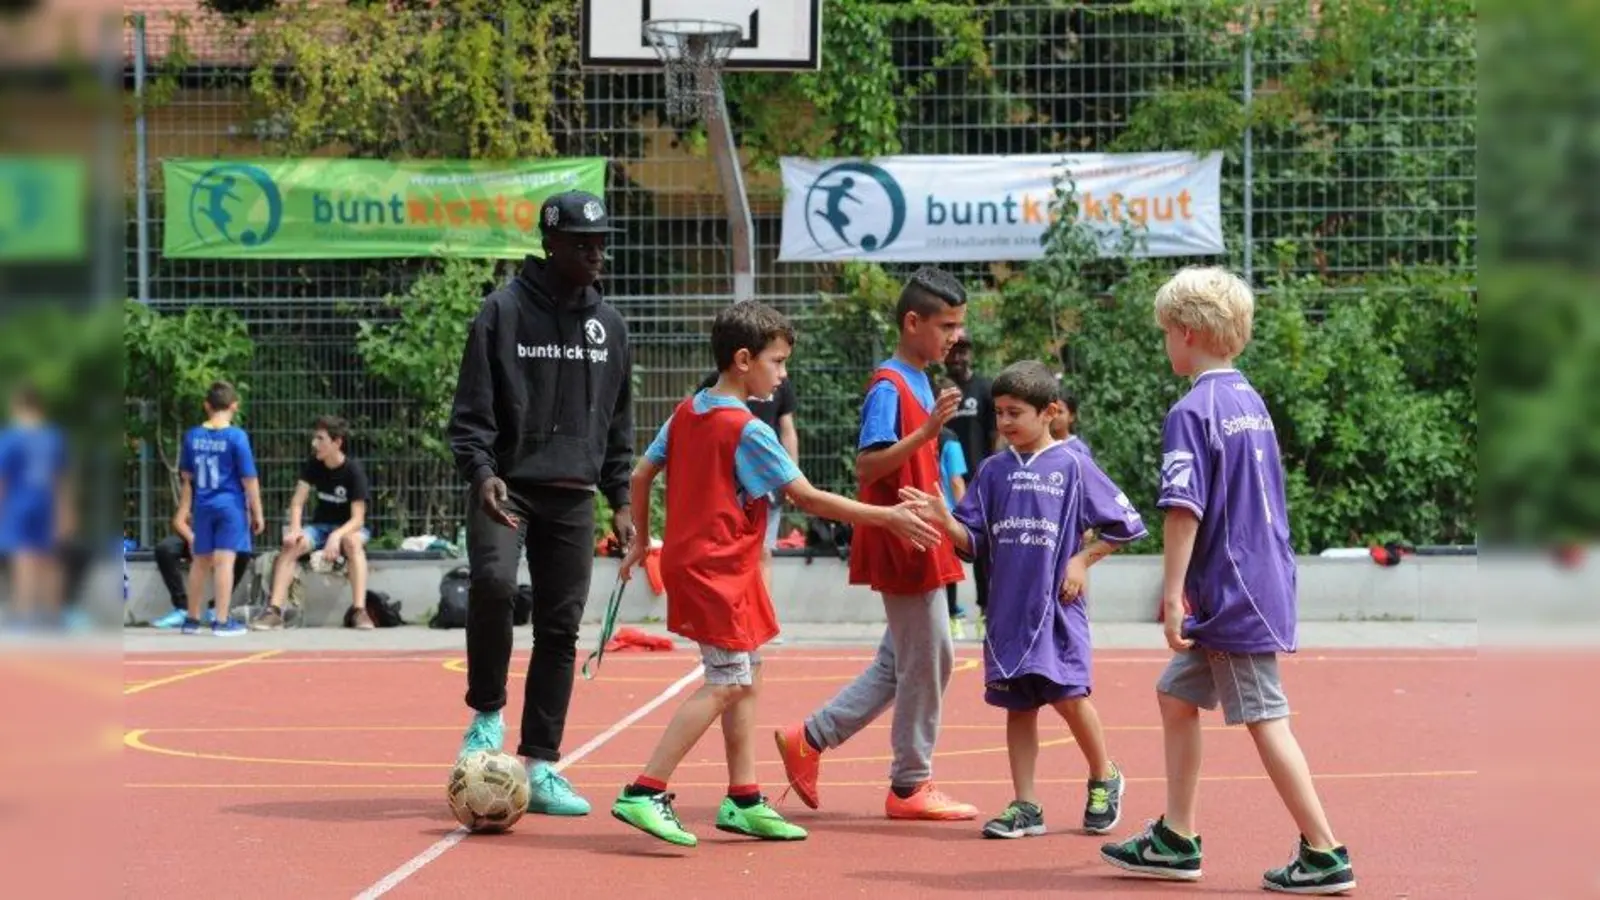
{"points": [[606, 629]]}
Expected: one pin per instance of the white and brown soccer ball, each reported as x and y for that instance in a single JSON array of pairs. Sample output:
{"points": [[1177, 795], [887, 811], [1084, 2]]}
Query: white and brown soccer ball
{"points": [[488, 791]]}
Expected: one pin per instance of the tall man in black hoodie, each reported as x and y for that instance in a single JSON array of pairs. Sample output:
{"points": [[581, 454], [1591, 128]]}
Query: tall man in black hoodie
{"points": [[542, 418]]}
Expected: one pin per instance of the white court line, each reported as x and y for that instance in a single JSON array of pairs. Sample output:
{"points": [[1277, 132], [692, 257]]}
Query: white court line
{"points": [[411, 867]]}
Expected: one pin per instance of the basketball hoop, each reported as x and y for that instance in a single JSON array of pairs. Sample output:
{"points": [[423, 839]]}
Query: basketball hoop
{"points": [[692, 52]]}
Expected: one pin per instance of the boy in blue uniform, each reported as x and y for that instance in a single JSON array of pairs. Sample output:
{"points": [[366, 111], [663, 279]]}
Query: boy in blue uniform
{"points": [[223, 495], [32, 466]]}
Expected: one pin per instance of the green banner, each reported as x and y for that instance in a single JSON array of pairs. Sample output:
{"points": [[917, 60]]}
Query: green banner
{"points": [[351, 209], [42, 215]]}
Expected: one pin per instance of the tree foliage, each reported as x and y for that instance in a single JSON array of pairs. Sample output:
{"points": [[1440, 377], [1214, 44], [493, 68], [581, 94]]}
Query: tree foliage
{"points": [[1361, 122], [170, 361]]}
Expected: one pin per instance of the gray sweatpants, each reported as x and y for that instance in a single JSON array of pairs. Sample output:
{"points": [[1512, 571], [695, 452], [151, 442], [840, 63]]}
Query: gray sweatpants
{"points": [[911, 671]]}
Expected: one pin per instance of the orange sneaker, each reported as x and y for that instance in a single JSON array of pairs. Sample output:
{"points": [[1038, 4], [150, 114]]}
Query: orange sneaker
{"points": [[801, 763], [928, 803]]}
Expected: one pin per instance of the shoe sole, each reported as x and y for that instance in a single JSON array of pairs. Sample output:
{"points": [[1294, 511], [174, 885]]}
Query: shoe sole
{"points": [[760, 837], [624, 820], [1152, 872], [1030, 831], [1310, 890], [551, 812], [933, 817], [810, 799]]}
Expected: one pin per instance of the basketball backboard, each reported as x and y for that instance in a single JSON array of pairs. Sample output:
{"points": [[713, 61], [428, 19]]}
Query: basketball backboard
{"points": [[778, 35]]}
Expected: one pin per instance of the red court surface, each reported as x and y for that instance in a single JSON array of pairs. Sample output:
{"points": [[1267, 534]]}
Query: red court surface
{"points": [[289, 774]]}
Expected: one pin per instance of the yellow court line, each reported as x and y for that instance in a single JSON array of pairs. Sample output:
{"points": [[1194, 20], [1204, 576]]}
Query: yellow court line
{"points": [[62, 676], [389, 787], [135, 739], [196, 673], [967, 665]]}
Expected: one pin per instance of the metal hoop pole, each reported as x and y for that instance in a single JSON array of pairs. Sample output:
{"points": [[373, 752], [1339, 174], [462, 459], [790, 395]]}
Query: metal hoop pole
{"points": [[741, 230]]}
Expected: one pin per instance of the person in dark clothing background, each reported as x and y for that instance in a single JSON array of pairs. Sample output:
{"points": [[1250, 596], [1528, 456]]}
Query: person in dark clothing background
{"points": [[974, 426], [542, 418]]}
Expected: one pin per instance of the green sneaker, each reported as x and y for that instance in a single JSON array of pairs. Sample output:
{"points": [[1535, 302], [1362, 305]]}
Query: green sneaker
{"points": [[551, 794], [653, 815], [759, 821]]}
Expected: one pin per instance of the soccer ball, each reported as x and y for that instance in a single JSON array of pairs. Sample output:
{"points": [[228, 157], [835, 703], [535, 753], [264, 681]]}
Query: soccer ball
{"points": [[488, 791]]}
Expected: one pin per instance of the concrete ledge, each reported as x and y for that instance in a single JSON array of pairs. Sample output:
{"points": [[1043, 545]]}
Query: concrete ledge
{"points": [[1122, 589]]}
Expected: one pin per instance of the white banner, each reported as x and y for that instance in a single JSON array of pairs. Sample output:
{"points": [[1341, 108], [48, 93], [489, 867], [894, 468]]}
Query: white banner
{"points": [[994, 208]]}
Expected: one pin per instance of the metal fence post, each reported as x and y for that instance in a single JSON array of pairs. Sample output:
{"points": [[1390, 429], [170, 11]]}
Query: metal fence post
{"points": [[1249, 154], [142, 205]]}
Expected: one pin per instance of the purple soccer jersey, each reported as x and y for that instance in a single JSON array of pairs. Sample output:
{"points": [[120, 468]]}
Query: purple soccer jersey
{"points": [[1026, 518], [1219, 460]]}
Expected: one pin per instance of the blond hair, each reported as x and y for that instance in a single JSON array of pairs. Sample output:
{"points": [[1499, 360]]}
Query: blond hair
{"points": [[1212, 302]]}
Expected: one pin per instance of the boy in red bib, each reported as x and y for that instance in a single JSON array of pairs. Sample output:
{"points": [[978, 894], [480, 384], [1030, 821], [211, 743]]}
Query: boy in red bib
{"points": [[721, 464], [900, 425]]}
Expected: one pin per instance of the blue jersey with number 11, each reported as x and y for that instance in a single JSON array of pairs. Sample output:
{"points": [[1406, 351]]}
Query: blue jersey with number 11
{"points": [[217, 460]]}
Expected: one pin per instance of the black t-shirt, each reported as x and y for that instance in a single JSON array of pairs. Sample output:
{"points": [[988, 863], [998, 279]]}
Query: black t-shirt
{"points": [[783, 401], [973, 422], [334, 490]]}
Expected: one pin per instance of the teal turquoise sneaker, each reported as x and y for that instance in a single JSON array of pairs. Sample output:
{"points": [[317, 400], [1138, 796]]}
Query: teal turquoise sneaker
{"points": [[759, 821], [653, 815], [487, 732], [551, 793]]}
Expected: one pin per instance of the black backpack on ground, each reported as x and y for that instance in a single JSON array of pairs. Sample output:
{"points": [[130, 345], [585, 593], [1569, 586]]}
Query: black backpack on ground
{"points": [[385, 612], [452, 611]]}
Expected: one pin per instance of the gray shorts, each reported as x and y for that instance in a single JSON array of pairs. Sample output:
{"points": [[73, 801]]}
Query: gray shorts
{"points": [[1248, 685], [729, 667]]}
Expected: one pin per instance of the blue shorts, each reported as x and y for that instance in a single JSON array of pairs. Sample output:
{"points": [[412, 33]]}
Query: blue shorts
{"points": [[1027, 692], [28, 525], [225, 528], [318, 535]]}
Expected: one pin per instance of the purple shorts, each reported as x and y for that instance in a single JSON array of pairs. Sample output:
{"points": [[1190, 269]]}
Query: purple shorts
{"points": [[1030, 691]]}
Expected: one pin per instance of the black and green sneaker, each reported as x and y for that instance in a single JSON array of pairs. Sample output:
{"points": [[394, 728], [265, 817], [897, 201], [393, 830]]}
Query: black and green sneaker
{"points": [[1316, 872], [757, 821], [1020, 819], [653, 814], [1103, 810], [1158, 852]]}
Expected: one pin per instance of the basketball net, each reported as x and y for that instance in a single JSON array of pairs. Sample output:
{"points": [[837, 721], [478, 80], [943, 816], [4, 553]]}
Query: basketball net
{"points": [[692, 52]]}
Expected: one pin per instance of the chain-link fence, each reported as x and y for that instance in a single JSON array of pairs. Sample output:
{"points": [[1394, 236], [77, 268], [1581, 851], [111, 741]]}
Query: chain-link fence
{"points": [[1382, 175]]}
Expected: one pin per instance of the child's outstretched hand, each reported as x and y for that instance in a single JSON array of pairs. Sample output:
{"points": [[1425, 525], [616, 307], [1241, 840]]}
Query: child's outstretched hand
{"points": [[1077, 577], [633, 557], [931, 506], [909, 521]]}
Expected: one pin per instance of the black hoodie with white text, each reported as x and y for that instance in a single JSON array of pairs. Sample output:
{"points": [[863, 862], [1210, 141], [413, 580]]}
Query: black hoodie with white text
{"points": [[545, 395]]}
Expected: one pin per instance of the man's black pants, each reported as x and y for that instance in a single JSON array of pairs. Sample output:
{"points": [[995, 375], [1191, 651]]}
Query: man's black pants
{"points": [[557, 526], [172, 552]]}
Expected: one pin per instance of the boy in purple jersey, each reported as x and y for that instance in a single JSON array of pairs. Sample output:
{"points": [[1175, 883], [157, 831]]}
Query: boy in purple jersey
{"points": [[1025, 515], [223, 494], [1226, 548]]}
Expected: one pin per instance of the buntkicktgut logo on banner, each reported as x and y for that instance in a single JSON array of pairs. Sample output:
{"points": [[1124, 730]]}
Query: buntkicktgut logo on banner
{"points": [[961, 208], [855, 204], [317, 208], [235, 203]]}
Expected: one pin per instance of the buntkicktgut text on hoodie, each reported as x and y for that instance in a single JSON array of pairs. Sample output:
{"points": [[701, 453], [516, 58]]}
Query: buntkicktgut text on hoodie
{"points": [[594, 350], [573, 352]]}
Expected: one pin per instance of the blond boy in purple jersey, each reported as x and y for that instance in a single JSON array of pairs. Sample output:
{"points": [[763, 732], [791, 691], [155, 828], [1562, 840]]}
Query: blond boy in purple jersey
{"points": [[1227, 547]]}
